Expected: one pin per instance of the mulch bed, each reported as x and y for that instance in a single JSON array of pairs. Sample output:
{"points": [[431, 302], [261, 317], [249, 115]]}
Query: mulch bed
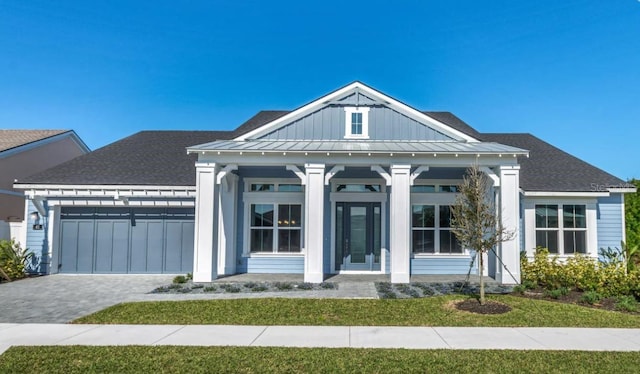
{"points": [[489, 307], [573, 297]]}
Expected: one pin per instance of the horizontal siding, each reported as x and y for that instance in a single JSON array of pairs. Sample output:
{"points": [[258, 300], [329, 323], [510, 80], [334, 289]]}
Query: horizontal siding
{"points": [[276, 265], [610, 225], [439, 266]]}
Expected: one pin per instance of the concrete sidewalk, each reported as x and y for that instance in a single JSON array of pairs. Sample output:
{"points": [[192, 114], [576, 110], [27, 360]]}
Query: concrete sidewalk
{"points": [[521, 338]]}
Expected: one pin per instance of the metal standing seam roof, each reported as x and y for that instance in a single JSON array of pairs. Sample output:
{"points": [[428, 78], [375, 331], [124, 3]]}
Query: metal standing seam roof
{"points": [[357, 147]]}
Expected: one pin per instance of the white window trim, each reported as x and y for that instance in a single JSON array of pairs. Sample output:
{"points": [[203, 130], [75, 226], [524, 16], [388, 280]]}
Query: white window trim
{"points": [[365, 122], [274, 198], [591, 223], [436, 183]]}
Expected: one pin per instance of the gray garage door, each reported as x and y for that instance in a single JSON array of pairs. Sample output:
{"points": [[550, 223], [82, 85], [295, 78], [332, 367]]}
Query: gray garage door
{"points": [[126, 240]]}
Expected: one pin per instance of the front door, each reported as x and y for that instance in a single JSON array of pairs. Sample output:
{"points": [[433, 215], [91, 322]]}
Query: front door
{"points": [[358, 236]]}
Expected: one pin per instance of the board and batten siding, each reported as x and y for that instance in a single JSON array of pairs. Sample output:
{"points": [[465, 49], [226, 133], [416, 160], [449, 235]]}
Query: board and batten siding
{"points": [[37, 242], [328, 123], [610, 221]]}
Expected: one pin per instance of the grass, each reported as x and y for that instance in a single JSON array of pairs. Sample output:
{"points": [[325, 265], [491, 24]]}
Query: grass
{"points": [[431, 311], [171, 359]]}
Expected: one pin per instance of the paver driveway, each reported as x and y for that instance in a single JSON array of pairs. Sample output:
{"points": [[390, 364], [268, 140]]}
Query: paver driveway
{"points": [[62, 298]]}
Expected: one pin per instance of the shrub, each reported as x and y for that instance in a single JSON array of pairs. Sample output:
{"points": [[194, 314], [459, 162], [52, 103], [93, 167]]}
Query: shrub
{"points": [[556, 293], [251, 284], [305, 286], [283, 286], [328, 285], [180, 279], [627, 304], [197, 286], [13, 260], [230, 288], [591, 297], [259, 288], [210, 289]]}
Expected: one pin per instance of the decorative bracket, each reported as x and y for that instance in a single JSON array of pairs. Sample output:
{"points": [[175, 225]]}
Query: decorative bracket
{"points": [[417, 172], [492, 175], [378, 169], [334, 170], [298, 173], [222, 173]]}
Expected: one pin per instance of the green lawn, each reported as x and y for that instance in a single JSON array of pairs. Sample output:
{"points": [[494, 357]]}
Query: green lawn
{"points": [[345, 312], [170, 359]]}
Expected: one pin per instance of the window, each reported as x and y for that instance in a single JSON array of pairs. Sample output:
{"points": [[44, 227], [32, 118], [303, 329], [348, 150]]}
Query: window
{"points": [[422, 188], [285, 236], [356, 122], [358, 188], [431, 230], [431, 188], [273, 187], [572, 228]]}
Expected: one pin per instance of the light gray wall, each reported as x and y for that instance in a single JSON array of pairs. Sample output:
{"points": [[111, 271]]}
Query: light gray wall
{"points": [[328, 123]]}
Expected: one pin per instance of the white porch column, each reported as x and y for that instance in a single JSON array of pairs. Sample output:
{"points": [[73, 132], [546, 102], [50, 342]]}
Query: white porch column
{"points": [[204, 254], [314, 223], [400, 223], [228, 193], [509, 251]]}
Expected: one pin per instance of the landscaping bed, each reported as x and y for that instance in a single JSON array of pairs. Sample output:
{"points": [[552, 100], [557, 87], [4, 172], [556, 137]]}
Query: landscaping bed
{"points": [[387, 290], [242, 287]]}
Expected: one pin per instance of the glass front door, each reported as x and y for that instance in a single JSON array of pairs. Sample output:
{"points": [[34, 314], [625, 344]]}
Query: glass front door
{"points": [[358, 236]]}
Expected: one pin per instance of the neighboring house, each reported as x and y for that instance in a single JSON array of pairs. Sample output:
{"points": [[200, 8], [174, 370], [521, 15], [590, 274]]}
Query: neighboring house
{"points": [[353, 182], [25, 152]]}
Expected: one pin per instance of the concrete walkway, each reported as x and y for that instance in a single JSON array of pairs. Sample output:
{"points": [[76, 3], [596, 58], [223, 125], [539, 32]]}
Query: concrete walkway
{"points": [[587, 339]]}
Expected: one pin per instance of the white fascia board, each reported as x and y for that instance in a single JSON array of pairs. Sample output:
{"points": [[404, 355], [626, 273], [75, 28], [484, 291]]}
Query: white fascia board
{"points": [[622, 190], [115, 192], [564, 194], [367, 91], [26, 186]]}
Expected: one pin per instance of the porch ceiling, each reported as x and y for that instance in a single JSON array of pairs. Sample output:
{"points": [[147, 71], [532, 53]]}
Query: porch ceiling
{"points": [[357, 147]]}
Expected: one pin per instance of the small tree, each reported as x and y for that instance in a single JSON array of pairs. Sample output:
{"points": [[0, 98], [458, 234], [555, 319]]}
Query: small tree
{"points": [[474, 218]]}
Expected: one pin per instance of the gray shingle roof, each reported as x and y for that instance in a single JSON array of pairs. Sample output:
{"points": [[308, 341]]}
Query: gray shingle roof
{"points": [[10, 139], [156, 158], [159, 158], [551, 169]]}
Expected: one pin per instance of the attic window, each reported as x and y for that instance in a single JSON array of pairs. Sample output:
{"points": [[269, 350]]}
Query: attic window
{"points": [[356, 123]]}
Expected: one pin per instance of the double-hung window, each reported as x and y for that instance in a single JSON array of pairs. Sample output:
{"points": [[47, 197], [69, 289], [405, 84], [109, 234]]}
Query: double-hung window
{"points": [[561, 236], [431, 230]]}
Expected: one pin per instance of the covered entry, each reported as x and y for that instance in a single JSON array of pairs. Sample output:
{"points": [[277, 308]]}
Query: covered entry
{"points": [[123, 240], [358, 236]]}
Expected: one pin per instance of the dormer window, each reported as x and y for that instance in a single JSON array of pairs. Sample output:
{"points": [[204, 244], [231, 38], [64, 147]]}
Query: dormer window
{"points": [[356, 123]]}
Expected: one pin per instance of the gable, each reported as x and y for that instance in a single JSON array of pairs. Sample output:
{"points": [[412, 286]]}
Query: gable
{"points": [[326, 119], [328, 123]]}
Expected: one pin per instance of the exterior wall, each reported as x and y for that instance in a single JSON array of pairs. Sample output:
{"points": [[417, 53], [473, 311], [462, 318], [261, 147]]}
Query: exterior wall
{"points": [[610, 221], [31, 161], [438, 266], [329, 124], [38, 242]]}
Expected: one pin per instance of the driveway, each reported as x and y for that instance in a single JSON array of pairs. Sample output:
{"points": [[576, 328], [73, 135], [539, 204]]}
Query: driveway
{"points": [[62, 298]]}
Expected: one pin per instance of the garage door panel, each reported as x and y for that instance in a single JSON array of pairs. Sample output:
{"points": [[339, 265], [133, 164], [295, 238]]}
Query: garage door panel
{"points": [[173, 254], [120, 248], [187, 247], [139, 247], [104, 246], [69, 241], [85, 246]]}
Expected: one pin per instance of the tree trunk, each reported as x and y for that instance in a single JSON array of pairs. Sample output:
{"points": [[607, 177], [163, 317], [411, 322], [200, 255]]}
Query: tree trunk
{"points": [[481, 278]]}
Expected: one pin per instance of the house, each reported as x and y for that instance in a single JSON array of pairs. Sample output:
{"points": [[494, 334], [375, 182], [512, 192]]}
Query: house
{"points": [[353, 182], [25, 152]]}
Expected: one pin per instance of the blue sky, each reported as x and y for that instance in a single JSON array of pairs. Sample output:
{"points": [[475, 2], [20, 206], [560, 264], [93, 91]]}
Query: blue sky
{"points": [[566, 71]]}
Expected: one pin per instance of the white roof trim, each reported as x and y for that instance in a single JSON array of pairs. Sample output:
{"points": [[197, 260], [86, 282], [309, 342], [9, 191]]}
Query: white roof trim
{"points": [[564, 194], [25, 186], [622, 189], [368, 91]]}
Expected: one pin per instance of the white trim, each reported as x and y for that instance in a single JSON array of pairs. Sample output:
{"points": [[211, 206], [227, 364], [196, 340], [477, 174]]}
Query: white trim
{"points": [[624, 220], [356, 272], [416, 173], [296, 170], [383, 173], [491, 175], [591, 228], [223, 173], [348, 125], [367, 91], [564, 194], [622, 190], [335, 170]]}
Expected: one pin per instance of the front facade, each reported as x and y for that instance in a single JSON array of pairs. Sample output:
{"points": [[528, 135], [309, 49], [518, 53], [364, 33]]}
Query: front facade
{"points": [[353, 182]]}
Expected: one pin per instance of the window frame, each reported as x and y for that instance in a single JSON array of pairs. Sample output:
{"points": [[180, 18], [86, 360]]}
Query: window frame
{"points": [[560, 230], [348, 132], [435, 199], [276, 199], [590, 229]]}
